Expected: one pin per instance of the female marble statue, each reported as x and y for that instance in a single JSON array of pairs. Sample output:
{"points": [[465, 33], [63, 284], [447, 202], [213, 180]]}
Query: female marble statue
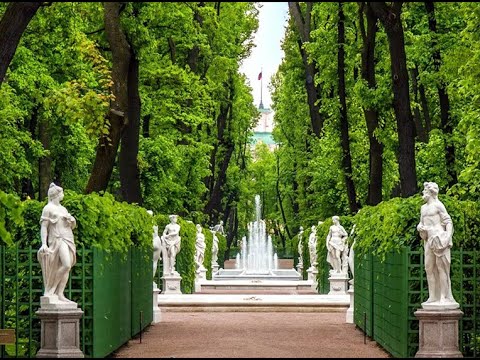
{"points": [[199, 248], [157, 249], [336, 239], [214, 248], [300, 247], [171, 243], [57, 254], [312, 246]]}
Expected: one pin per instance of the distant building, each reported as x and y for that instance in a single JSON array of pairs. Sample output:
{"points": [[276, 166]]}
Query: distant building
{"points": [[263, 130]]}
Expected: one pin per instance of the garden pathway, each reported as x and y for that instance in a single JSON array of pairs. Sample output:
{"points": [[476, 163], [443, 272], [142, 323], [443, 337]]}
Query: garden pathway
{"points": [[198, 333]]}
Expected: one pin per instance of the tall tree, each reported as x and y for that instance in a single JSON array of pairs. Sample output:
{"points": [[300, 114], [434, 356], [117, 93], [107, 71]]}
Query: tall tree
{"points": [[390, 16], [368, 35], [303, 26], [446, 120], [13, 24], [107, 147], [345, 139]]}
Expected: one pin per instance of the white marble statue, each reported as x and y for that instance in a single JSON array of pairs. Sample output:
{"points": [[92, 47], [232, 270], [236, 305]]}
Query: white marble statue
{"points": [[336, 245], [57, 254], [300, 247], [312, 247], [214, 248], [219, 228], [199, 248], [157, 247], [171, 245], [436, 230]]}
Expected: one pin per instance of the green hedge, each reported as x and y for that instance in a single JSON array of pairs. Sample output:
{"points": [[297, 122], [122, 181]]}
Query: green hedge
{"points": [[393, 224]]}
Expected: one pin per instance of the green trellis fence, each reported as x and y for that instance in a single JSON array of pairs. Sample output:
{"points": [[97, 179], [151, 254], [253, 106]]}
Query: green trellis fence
{"points": [[102, 283], [388, 293]]}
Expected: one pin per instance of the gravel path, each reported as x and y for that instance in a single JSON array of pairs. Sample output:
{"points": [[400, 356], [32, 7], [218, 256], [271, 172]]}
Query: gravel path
{"points": [[251, 335]]}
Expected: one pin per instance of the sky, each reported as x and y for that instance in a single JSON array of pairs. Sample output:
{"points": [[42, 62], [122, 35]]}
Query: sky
{"points": [[267, 54]]}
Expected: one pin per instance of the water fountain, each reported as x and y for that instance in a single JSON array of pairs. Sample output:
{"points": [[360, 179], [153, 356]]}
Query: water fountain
{"points": [[256, 259]]}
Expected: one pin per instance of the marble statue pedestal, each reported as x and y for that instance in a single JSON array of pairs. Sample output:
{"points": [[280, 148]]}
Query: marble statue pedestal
{"points": [[215, 268], [60, 328], [200, 277], [300, 269], [349, 316], [171, 283], [338, 284], [438, 333], [157, 313], [312, 277]]}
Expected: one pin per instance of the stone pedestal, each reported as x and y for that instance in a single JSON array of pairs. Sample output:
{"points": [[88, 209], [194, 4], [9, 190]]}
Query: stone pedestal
{"points": [[200, 277], [60, 328], [349, 317], [338, 284], [300, 269], [171, 283], [312, 277], [215, 268], [157, 313], [438, 333]]}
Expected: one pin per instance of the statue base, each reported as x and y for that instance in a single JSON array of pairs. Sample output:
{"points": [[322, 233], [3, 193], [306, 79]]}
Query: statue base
{"points": [[438, 333], [157, 313], [60, 329], [349, 316], [312, 277], [200, 277], [215, 268], [300, 269], [338, 284], [171, 283]]}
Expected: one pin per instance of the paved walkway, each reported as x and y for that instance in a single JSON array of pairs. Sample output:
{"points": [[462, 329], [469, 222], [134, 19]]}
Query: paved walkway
{"points": [[251, 335], [276, 322]]}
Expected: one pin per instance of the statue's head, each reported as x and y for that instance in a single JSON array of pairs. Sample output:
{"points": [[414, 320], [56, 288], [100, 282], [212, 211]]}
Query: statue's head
{"points": [[150, 212], [430, 189], [199, 228], [301, 228], [335, 219], [55, 191], [173, 218], [314, 228]]}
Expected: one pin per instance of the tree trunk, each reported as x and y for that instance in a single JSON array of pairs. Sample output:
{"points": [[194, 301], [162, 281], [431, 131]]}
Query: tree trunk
{"points": [[420, 129], [390, 18], [15, 20], [446, 120], [345, 139], [128, 157], [194, 52], [313, 92], [371, 115], [107, 147], [279, 197]]}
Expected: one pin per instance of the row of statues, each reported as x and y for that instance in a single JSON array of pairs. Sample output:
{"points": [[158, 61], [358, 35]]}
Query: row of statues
{"points": [[168, 245], [57, 254]]}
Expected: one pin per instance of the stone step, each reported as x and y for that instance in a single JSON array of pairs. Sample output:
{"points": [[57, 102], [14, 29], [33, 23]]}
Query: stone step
{"points": [[256, 284], [252, 303]]}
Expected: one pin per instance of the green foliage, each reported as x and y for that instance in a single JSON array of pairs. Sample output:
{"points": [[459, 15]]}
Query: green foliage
{"points": [[102, 222], [11, 211], [393, 224]]}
